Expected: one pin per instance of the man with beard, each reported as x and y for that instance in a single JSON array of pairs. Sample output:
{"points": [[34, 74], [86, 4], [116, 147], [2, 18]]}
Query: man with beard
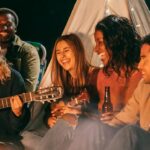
{"points": [[22, 55]]}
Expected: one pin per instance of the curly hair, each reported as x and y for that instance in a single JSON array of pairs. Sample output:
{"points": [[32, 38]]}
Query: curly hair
{"points": [[122, 43], [5, 71]]}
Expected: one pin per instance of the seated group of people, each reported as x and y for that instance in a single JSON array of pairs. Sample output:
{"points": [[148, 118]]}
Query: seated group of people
{"points": [[75, 121]]}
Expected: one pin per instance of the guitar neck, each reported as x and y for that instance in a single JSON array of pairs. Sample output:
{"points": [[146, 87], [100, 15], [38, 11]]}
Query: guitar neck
{"points": [[25, 98], [49, 94]]}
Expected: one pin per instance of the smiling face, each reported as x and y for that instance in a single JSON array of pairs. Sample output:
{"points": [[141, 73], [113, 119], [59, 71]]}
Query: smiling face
{"points": [[100, 47], [7, 27], [144, 64], [65, 56]]}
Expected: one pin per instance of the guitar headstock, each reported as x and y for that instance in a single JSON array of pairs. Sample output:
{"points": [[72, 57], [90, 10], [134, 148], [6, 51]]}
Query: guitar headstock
{"points": [[50, 94], [82, 98]]}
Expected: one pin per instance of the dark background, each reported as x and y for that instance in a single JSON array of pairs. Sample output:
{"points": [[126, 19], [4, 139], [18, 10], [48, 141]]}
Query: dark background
{"points": [[42, 20]]}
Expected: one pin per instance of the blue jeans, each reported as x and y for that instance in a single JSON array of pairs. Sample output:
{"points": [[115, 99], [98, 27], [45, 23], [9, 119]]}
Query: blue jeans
{"points": [[57, 138], [130, 138], [88, 135], [92, 135]]}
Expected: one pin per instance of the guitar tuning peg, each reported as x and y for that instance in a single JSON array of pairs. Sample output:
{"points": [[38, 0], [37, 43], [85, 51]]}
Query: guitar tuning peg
{"points": [[42, 102]]}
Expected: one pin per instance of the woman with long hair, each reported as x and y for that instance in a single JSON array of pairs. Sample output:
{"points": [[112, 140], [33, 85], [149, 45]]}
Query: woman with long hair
{"points": [[118, 45], [69, 66], [13, 119], [78, 79]]}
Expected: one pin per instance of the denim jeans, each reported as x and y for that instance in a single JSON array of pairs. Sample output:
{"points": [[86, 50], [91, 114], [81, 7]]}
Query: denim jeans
{"points": [[130, 138]]}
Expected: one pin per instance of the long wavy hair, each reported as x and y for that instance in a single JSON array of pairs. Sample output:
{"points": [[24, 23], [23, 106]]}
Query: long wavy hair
{"points": [[5, 71], [62, 77], [122, 43]]}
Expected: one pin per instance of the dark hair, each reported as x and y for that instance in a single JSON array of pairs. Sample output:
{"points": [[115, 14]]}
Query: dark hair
{"points": [[145, 40], [12, 12], [122, 43]]}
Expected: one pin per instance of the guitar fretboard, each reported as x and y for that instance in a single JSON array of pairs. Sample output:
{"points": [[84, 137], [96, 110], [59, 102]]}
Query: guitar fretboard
{"points": [[49, 94], [25, 97]]}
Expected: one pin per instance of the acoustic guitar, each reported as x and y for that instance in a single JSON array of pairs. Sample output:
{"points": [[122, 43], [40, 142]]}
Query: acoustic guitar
{"points": [[49, 94]]}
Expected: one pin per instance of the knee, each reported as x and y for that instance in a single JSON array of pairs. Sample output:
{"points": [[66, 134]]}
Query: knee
{"points": [[130, 128], [86, 126], [128, 131], [90, 124]]}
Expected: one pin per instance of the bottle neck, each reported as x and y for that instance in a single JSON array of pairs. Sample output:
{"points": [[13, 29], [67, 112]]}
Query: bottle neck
{"points": [[107, 94], [107, 105]]}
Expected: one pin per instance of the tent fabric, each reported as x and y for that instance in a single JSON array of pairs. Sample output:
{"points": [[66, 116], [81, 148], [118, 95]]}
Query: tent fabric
{"points": [[140, 16], [82, 21], [117, 7]]}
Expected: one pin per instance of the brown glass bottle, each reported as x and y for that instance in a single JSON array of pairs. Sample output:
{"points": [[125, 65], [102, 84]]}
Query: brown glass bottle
{"points": [[107, 105]]}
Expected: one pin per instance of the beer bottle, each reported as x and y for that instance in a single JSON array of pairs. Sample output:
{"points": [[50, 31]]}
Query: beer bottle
{"points": [[107, 105]]}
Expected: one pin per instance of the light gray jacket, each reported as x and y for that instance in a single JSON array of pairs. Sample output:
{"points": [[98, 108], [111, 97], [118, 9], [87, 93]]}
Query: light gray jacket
{"points": [[25, 59], [137, 108]]}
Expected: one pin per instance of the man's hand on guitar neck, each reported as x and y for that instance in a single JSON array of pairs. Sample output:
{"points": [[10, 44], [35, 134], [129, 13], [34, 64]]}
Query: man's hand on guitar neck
{"points": [[16, 105]]}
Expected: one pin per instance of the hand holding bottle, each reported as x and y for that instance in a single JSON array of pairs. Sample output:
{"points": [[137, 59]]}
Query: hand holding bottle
{"points": [[107, 108], [106, 117]]}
